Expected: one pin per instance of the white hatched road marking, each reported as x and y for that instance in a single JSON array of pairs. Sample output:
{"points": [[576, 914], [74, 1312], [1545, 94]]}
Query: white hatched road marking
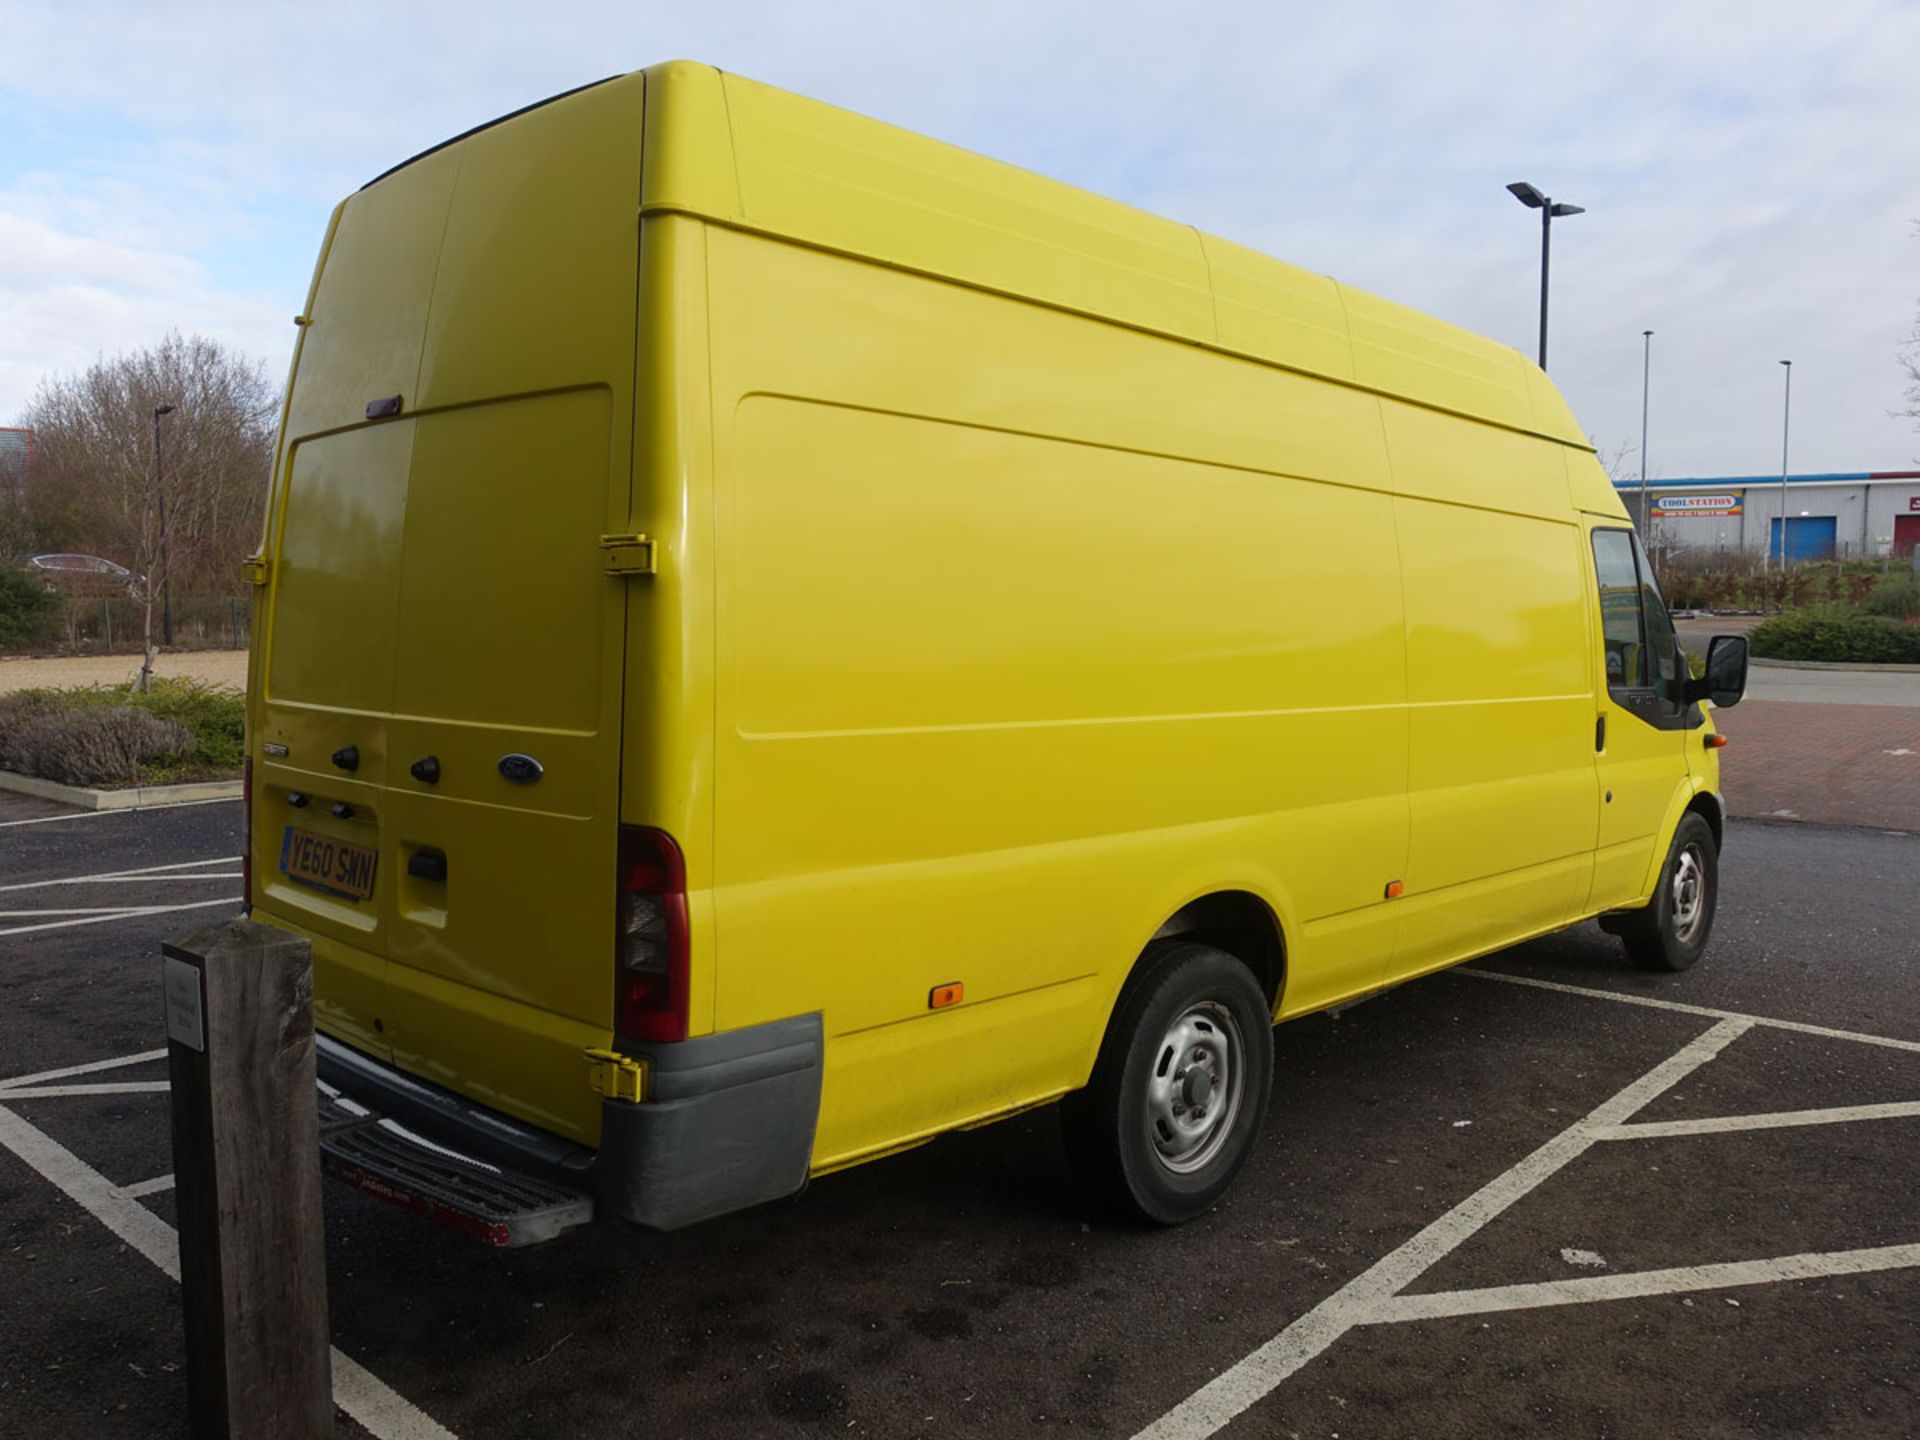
{"points": [[92, 1067], [130, 810], [361, 1394], [1638, 1283], [105, 876], [132, 912], [1251, 1380], [148, 1187], [1681, 1008], [71, 1092], [1767, 1120], [1374, 1297]]}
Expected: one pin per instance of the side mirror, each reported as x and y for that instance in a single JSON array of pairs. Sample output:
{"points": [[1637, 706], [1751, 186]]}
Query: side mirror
{"points": [[1726, 678]]}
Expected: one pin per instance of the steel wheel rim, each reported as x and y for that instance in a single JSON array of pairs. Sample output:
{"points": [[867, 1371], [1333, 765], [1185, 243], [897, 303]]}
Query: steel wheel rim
{"points": [[1195, 1087], [1689, 892]]}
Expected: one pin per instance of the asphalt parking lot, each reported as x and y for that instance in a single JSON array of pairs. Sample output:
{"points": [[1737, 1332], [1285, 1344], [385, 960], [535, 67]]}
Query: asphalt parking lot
{"points": [[1548, 1195]]}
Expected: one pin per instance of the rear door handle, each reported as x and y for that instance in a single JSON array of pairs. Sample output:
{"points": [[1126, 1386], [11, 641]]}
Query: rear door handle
{"points": [[428, 865], [1599, 734]]}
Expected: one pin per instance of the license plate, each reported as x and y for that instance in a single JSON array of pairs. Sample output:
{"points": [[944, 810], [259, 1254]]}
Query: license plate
{"points": [[339, 867]]}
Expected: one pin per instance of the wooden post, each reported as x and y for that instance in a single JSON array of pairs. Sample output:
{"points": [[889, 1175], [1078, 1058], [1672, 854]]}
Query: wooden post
{"points": [[246, 1165]]}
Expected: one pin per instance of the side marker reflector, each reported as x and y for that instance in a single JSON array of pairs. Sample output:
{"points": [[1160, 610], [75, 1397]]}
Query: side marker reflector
{"points": [[941, 996], [1395, 888], [1716, 742]]}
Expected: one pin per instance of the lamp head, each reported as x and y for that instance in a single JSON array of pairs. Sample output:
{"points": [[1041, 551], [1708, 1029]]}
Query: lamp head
{"points": [[160, 410], [1527, 195], [1558, 210]]}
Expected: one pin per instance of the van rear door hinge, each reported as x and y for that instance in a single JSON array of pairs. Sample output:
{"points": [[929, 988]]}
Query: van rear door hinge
{"points": [[627, 554], [616, 1076], [254, 568]]}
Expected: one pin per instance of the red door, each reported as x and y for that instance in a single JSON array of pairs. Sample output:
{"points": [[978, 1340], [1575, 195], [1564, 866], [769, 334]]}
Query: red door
{"points": [[1906, 533]]}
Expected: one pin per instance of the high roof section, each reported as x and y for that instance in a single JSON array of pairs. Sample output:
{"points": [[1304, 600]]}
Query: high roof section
{"points": [[746, 154]]}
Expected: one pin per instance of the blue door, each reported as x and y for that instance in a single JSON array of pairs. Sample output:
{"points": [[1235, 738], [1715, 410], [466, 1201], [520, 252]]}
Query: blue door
{"points": [[1809, 537]]}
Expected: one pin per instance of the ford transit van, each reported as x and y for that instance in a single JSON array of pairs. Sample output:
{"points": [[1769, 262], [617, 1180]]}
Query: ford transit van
{"points": [[778, 638]]}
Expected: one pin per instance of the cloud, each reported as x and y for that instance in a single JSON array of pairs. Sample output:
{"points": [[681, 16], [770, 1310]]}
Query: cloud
{"points": [[1747, 169]]}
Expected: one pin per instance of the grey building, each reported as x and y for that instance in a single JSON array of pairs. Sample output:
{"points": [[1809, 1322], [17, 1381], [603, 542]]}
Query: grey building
{"points": [[1829, 517]]}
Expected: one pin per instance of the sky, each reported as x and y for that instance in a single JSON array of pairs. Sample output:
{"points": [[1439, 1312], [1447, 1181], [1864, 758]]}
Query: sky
{"points": [[1750, 171]]}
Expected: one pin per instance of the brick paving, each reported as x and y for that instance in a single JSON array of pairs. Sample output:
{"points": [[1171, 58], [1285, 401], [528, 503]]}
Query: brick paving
{"points": [[1830, 764]]}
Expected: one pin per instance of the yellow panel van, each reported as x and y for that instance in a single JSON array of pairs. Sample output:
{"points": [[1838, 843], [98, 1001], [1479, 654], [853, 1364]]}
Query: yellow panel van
{"points": [[778, 638]]}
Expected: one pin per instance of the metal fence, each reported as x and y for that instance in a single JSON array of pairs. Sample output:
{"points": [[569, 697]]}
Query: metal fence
{"points": [[112, 624]]}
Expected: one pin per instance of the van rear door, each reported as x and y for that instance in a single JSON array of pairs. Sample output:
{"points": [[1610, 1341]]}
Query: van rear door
{"points": [[460, 435]]}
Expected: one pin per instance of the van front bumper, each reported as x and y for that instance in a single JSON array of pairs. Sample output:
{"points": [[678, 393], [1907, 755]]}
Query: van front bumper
{"points": [[728, 1122]]}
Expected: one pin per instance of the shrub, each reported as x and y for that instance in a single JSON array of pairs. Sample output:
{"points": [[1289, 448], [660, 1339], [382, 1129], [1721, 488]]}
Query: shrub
{"points": [[1896, 595], [29, 612], [1841, 633], [204, 728], [95, 746]]}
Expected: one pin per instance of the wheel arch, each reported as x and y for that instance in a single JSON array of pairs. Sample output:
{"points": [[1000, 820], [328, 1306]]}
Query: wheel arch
{"points": [[1237, 922], [1692, 797]]}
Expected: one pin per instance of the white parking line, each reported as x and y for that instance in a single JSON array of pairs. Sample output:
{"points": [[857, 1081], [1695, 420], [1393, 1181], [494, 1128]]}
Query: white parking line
{"points": [[148, 1187], [1646, 1282], [1361, 1299], [1680, 1008], [90, 1068], [362, 1395], [135, 810], [154, 879], [71, 910], [72, 1092], [1767, 1120], [130, 913], [107, 876]]}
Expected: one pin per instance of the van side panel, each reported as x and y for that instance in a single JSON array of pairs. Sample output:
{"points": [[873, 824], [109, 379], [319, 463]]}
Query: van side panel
{"points": [[1029, 630]]}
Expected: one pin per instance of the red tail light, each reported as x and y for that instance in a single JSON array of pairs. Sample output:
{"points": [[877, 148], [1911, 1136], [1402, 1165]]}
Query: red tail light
{"points": [[246, 835], [650, 941]]}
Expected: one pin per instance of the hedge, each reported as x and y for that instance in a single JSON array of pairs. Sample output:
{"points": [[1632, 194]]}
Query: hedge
{"points": [[1837, 633]]}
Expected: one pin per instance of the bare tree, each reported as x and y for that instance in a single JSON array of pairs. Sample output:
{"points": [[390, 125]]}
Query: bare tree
{"points": [[95, 485]]}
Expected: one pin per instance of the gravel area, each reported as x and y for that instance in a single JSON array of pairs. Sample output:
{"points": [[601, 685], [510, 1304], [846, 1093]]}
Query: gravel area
{"points": [[216, 667]]}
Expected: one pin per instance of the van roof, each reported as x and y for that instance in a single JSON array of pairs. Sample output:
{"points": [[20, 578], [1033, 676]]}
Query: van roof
{"points": [[747, 155]]}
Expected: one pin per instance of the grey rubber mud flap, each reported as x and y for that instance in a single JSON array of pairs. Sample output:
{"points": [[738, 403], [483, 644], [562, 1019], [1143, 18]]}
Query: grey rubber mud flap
{"points": [[728, 1122]]}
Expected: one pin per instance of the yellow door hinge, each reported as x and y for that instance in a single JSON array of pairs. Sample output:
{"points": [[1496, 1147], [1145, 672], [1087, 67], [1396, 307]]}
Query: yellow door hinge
{"points": [[627, 554], [254, 568], [616, 1076]]}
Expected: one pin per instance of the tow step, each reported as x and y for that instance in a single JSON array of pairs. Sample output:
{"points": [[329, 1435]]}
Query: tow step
{"points": [[381, 1157]]}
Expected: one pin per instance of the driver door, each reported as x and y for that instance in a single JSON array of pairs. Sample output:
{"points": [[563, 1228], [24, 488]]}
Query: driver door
{"points": [[1641, 716]]}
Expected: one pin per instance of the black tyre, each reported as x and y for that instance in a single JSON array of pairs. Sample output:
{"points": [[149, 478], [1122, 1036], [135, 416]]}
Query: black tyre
{"points": [[1180, 1089], [1671, 932]]}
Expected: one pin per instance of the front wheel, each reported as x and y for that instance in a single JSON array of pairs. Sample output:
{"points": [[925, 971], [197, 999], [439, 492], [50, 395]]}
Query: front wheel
{"points": [[1670, 933], [1180, 1088]]}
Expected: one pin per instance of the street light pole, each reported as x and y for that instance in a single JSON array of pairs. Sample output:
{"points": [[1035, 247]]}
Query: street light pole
{"points": [[166, 563], [1786, 418], [1534, 199], [1646, 373]]}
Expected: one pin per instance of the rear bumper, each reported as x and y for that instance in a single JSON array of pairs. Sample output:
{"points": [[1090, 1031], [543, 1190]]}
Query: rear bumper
{"points": [[728, 1122]]}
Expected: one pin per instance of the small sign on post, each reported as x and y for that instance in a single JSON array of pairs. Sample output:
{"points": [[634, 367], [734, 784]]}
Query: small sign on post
{"points": [[246, 1164]]}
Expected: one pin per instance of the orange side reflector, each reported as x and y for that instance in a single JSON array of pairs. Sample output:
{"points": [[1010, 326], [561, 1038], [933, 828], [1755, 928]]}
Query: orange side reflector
{"points": [[942, 996], [1716, 742], [1394, 887]]}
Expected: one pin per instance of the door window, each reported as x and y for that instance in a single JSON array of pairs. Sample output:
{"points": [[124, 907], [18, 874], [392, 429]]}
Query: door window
{"points": [[1620, 619], [1646, 672]]}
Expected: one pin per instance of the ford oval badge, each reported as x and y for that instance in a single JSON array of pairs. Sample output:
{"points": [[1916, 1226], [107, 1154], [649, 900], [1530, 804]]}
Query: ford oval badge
{"points": [[521, 769]]}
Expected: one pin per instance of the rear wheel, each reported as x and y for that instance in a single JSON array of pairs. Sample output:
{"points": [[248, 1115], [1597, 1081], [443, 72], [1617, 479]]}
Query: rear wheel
{"points": [[1180, 1089], [1671, 932]]}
